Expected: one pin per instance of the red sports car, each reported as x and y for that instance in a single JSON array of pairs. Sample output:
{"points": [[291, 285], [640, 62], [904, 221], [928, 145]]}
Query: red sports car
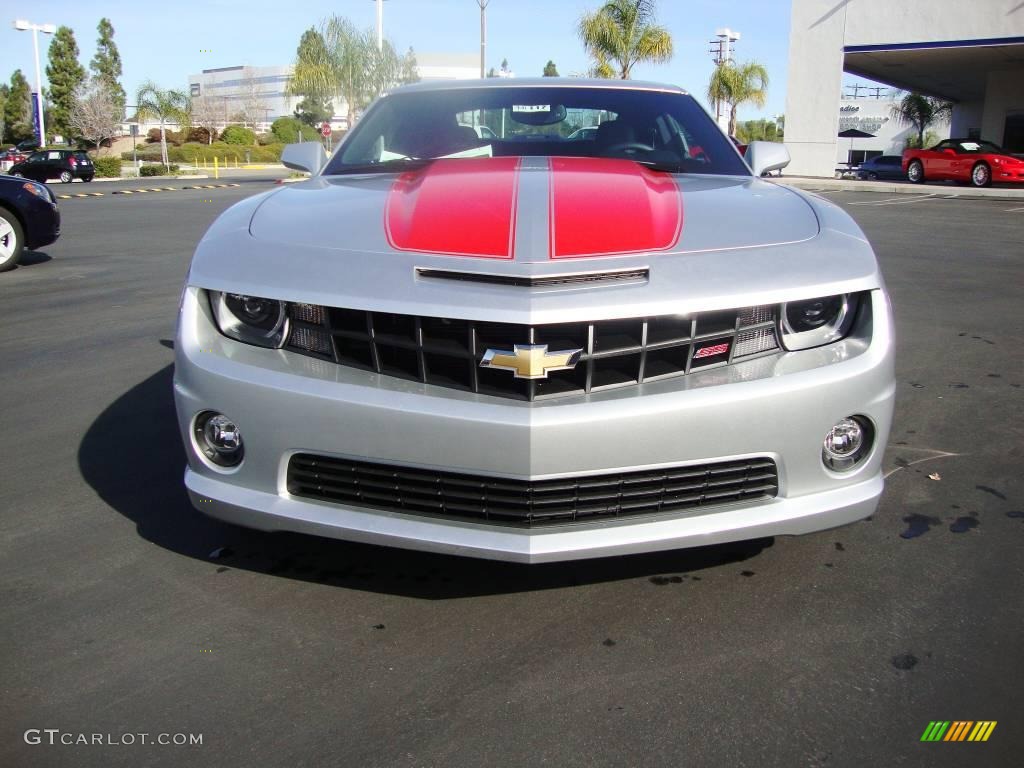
{"points": [[964, 160]]}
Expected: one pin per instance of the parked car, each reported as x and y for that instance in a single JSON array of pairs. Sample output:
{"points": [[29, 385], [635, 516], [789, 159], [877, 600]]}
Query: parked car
{"points": [[12, 155], [535, 349], [28, 218], [64, 164], [882, 167], [968, 161], [583, 134]]}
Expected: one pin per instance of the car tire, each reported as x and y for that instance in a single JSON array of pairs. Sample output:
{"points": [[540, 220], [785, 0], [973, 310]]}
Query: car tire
{"points": [[12, 240], [87, 179], [915, 172], [66, 177], [872, 177], [981, 175]]}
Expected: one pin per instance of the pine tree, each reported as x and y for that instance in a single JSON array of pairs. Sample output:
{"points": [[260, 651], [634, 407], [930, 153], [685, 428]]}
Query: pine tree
{"points": [[106, 64], [550, 70], [18, 109], [65, 75]]}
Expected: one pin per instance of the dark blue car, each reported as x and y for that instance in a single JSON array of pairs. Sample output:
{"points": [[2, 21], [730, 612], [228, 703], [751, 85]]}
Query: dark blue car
{"points": [[28, 218], [882, 167]]}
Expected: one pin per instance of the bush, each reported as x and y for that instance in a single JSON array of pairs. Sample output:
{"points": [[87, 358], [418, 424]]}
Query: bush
{"points": [[236, 134], [190, 153], [107, 167], [287, 130], [159, 170], [173, 137]]}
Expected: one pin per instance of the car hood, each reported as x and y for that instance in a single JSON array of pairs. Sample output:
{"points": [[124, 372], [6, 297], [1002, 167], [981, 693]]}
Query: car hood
{"points": [[494, 226], [534, 210]]}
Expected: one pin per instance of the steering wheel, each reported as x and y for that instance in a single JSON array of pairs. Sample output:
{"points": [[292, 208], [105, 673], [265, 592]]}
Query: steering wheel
{"points": [[628, 147]]}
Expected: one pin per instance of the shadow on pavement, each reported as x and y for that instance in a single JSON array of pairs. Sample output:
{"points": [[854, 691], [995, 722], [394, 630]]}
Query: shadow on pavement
{"points": [[133, 457], [31, 258]]}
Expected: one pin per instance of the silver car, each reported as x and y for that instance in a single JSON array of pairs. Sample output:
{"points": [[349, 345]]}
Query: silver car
{"points": [[533, 348]]}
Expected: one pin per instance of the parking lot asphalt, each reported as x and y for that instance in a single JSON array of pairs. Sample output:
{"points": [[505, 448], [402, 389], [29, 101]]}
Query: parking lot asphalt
{"points": [[124, 611]]}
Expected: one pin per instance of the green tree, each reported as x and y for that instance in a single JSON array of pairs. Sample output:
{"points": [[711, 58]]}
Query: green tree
{"points": [[4, 91], [106, 64], [18, 109], [623, 33], [165, 105], [348, 65], [921, 112], [737, 84], [550, 70], [65, 74], [757, 130], [315, 105]]}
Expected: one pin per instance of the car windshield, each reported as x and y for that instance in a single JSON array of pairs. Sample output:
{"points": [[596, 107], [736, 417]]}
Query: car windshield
{"points": [[665, 130], [978, 146]]}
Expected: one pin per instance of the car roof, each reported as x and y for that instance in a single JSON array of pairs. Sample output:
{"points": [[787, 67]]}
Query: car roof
{"points": [[537, 82]]}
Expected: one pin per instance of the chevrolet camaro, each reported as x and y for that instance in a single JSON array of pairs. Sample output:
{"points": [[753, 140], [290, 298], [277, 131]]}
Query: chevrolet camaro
{"points": [[525, 345]]}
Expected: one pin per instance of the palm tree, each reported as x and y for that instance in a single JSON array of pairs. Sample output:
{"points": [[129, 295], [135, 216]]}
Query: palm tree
{"points": [[624, 32], [165, 105], [346, 62], [921, 112], [738, 84]]}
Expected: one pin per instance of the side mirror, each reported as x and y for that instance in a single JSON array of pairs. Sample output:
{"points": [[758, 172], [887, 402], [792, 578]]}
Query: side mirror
{"points": [[307, 156], [765, 156]]}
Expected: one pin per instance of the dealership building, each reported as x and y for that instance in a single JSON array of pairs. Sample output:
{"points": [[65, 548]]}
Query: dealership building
{"points": [[231, 88], [971, 54]]}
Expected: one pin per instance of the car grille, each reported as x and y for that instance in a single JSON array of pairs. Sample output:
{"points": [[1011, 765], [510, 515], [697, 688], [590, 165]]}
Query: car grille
{"points": [[529, 502], [447, 352]]}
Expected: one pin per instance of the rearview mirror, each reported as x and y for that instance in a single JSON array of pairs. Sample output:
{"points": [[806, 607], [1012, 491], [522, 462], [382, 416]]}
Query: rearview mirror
{"points": [[765, 156], [307, 156]]}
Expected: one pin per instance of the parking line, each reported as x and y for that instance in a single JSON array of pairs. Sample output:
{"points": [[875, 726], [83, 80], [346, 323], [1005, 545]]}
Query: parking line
{"points": [[897, 200], [1014, 209]]}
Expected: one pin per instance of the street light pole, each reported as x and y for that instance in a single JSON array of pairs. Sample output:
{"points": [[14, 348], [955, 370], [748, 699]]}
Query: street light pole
{"points": [[47, 29], [483, 34]]}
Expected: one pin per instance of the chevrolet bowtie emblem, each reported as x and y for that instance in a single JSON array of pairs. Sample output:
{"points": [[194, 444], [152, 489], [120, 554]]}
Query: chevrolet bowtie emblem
{"points": [[531, 361]]}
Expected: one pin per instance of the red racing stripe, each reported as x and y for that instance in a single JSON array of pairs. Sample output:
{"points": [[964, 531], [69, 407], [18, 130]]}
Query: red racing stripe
{"points": [[604, 207], [455, 207]]}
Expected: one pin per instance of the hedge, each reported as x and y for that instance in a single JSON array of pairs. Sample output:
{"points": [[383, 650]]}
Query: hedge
{"points": [[189, 153], [107, 167], [158, 170]]}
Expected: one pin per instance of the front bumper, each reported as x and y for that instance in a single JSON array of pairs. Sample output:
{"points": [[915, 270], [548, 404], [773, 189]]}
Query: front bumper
{"points": [[779, 407]]}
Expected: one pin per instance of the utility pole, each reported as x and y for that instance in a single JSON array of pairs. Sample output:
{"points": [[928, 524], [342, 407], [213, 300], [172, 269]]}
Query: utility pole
{"points": [[483, 34], [721, 53], [380, 25]]}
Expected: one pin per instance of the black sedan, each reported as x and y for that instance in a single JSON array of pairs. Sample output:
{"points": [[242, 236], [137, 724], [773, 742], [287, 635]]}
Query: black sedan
{"points": [[28, 218], [882, 167]]}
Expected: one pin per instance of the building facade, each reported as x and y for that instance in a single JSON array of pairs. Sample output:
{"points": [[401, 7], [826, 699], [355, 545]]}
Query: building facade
{"points": [[874, 116], [256, 96], [971, 54]]}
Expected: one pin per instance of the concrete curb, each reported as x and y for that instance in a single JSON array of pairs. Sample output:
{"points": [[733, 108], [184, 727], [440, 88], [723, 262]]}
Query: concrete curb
{"points": [[811, 183]]}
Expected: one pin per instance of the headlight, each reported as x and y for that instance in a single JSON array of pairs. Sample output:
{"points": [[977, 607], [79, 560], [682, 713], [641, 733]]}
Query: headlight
{"points": [[250, 319], [814, 322], [39, 190]]}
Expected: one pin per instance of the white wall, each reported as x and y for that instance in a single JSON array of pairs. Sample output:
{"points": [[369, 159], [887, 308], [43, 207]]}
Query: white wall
{"points": [[814, 85], [1004, 93]]}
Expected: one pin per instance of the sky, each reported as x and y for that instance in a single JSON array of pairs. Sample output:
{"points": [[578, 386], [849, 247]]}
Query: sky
{"points": [[167, 41]]}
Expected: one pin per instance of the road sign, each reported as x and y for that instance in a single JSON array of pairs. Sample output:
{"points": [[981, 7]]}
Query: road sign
{"points": [[325, 130]]}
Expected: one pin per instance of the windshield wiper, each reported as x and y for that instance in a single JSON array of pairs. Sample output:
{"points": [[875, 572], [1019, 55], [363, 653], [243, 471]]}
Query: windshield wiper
{"points": [[661, 165], [384, 166]]}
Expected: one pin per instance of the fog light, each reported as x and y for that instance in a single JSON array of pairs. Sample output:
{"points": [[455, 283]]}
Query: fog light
{"points": [[218, 438], [847, 443]]}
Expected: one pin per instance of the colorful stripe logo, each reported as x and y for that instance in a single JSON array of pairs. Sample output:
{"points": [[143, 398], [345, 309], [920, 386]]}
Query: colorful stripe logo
{"points": [[958, 730]]}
